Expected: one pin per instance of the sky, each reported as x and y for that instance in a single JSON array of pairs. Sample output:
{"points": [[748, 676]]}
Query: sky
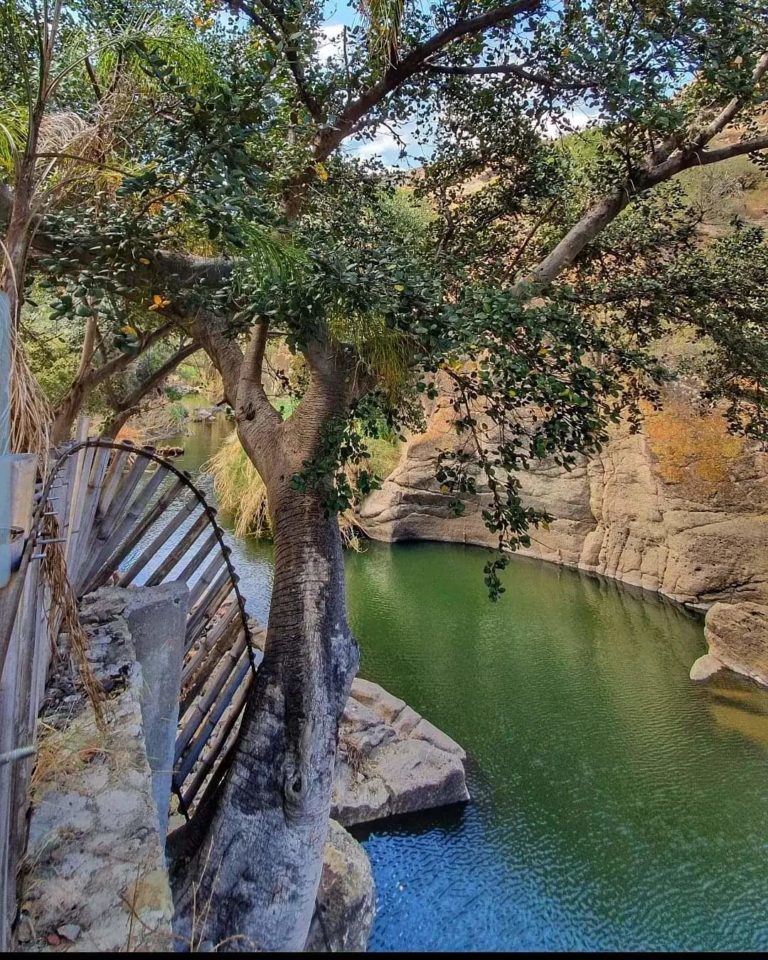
{"points": [[385, 144], [388, 141]]}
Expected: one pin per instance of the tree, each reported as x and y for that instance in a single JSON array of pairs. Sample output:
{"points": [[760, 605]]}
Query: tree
{"points": [[79, 91], [528, 359], [538, 356]]}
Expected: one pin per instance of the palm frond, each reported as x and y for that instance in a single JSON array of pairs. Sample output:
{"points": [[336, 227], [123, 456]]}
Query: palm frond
{"points": [[384, 18], [383, 350], [62, 131], [267, 255], [14, 127]]}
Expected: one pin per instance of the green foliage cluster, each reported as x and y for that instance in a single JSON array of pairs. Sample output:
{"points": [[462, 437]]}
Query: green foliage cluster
{"points": [[216, 123]]}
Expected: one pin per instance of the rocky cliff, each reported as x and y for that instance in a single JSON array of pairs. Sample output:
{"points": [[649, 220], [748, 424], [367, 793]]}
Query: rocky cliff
{"points": [[681, 508]]}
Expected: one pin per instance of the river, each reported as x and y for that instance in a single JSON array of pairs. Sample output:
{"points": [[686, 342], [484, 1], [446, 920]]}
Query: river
{"points": [[616, 804]]}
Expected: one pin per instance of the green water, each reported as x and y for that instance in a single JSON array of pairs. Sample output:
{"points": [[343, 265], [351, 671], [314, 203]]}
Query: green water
{"points": [[615, 803]]}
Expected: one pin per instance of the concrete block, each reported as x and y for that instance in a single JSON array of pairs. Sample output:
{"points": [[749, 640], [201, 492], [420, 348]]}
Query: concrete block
{"points": [[156, 618]]}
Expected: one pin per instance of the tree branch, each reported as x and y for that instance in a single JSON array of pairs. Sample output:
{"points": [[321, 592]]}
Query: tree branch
{"points": [[89, 348], [125, 407], [252, 400], [287, 29], [698, 157], [92, 78], [187, 269], [330, 137], [726, 115], [650, 175], [123, 360], [507, 69], [211, 332]]}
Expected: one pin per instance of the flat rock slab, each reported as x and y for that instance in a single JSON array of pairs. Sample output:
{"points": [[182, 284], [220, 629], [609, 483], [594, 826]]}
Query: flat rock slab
{"points": [[391, 760]]}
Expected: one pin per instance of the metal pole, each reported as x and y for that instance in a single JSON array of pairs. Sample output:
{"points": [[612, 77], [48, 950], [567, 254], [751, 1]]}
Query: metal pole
{"points": [[18, 754]]}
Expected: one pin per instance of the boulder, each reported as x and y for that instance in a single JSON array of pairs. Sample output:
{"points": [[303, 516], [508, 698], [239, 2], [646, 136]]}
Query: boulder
{"points": [[391, 760], [346, 898], [419, 776], [737, 635], [203, 414]]}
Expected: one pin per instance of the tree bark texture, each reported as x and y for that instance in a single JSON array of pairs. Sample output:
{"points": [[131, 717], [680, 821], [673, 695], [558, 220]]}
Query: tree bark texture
{"points": [[259, 868]]}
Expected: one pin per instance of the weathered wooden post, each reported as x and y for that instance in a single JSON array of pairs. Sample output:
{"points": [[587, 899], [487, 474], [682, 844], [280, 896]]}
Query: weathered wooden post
{"points": [[5, 433], [17, 489]]}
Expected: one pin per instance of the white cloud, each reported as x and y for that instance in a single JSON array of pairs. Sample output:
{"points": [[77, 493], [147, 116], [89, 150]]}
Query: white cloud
{"points": [[383, 142], [386, 144], [330, 42], [575, 119]]}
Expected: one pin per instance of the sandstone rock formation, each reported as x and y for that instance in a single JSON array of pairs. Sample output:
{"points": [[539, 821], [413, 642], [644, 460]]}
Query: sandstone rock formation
{"points": [[391, 760], [681, 509], [737, 635], [705, 667], [346, 898]]}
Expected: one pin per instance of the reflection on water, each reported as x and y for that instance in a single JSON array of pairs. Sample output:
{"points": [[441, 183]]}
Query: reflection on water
{"points": [[615, 803], [736, 705]]}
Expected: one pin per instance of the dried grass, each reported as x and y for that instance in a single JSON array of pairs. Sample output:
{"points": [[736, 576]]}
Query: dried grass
{"points": [[241, 493], [62, 754], [63, 601], [30, 412], [354, 755]]}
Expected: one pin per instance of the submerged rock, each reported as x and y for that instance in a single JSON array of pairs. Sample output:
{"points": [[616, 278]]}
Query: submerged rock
{"points": [[705, 667], [391, 760], [203, 414], [346, 898]]}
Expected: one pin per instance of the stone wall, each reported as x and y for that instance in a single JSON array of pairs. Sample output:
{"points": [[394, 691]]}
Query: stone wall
{"points": [[96, 877]]}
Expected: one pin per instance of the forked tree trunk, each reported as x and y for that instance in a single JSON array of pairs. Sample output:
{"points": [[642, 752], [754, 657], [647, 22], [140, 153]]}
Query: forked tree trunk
{"points": [[259, 868]]}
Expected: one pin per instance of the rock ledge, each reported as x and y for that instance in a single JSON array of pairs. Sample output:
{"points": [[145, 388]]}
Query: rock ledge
{"points": [[391, 760]]}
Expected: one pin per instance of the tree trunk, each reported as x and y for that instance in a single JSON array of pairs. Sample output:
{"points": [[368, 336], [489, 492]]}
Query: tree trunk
{"points": [[66, 412], [67, 409], [259, 869]]}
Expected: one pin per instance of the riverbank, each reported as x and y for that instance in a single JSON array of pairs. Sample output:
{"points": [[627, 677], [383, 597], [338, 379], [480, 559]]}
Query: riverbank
{"points": [[680, 509], [102, 795], [691, 527], [600, 775]]}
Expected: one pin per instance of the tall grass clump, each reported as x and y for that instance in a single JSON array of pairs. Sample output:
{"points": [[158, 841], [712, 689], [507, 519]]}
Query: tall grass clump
{"points": [[241, 493]]}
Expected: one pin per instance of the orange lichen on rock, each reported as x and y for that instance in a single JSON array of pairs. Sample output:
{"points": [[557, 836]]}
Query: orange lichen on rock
{"points": [[691, 448]]}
